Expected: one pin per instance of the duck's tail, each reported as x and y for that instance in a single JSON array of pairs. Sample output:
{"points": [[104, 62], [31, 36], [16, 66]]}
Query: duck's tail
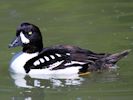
{"points": [[114, 58]]}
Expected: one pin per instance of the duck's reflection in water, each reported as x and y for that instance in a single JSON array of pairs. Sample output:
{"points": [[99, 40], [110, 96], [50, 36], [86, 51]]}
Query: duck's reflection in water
{"points": [[43, 86], [46, 81]]}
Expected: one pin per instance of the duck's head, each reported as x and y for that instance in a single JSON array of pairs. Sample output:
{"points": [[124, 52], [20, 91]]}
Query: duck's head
{"points": [[29, 37]]}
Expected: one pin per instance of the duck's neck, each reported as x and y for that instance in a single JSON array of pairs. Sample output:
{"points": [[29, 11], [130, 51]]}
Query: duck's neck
{"points": [[37, 47]]}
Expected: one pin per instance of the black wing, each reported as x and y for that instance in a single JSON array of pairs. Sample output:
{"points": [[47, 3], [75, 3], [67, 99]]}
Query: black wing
{"points": [[48, 57]]}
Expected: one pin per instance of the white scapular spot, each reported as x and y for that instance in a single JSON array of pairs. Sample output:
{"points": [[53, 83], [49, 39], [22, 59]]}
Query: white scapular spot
{"points": [[24, 39], [42, 60], [58, 55], [46, 58], [53, 57], [36, 63], [68, 54]]}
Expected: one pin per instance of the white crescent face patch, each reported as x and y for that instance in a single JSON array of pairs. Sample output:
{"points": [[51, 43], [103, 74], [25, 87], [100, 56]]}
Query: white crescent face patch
{"points": [[24, 39]]}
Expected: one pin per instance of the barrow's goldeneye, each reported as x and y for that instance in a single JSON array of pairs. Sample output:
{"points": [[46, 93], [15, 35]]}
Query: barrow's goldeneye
{"points": [[59, 59]]}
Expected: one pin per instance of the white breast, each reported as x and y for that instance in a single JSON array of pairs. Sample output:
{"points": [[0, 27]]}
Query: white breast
{"points": [[19, 60]]}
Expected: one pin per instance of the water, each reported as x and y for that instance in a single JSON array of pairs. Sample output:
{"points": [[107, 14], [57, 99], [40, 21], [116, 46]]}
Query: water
{"points": [[101, 26]]}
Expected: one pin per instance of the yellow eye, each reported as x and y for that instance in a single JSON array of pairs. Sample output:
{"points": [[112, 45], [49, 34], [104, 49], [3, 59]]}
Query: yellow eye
{"points": [[30, 33]]}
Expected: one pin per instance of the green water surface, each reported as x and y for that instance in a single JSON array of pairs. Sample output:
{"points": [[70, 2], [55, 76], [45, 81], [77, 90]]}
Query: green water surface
{"points": [[98, 25]]}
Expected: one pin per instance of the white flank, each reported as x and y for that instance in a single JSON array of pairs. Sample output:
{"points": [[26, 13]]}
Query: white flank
{"points": [[24, 39], [46, 58], [66, 71]]}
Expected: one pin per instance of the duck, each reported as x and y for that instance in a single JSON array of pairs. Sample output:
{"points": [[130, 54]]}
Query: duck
{"points": [[34, 59]]}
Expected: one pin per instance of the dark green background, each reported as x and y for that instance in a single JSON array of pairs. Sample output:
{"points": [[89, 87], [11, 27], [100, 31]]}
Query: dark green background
{"points": [[98, 25]]}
